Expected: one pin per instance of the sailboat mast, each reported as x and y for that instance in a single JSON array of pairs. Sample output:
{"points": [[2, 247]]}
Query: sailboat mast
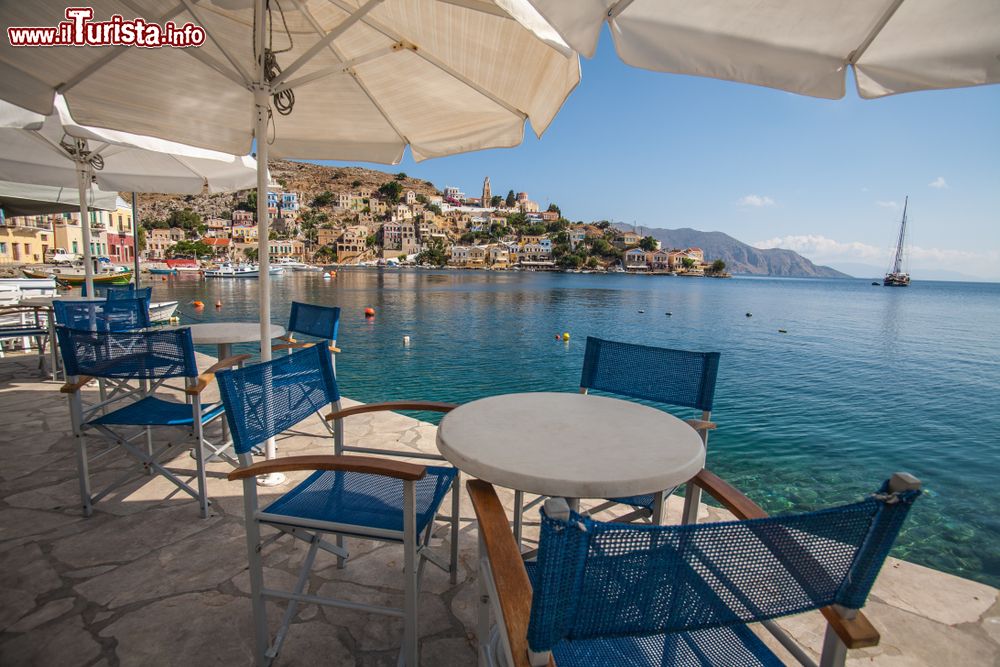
{"points": [[898, 264]]}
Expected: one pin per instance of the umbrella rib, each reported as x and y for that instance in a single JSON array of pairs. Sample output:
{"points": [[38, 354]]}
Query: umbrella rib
{"points": [[856, 54], [396, 37], [357, 78], [230, 57], [116, 51], [336, 69], [340, 29]]}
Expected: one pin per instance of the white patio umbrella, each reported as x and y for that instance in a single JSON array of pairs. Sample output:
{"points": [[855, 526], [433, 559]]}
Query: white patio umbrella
{"points": [[30, 199], [349, 80], [54, 150], [802, 46]]}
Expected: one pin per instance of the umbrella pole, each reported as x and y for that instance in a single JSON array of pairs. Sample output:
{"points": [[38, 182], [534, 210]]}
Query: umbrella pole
{"points": [[135, 240], [83, 183], [262, 104]]}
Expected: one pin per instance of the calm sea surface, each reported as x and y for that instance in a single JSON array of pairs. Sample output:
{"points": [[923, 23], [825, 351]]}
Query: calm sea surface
{"points": [[866, 381]]}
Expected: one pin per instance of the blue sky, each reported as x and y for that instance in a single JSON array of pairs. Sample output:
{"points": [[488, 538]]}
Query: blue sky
{"points": [[824, 177]]}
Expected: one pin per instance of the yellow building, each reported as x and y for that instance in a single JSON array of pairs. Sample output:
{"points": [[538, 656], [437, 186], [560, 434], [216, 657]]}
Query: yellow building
{"points": [[25, 243]]}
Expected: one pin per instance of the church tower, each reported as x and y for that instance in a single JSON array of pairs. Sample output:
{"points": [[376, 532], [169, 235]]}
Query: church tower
{"points": [[487, 193]]}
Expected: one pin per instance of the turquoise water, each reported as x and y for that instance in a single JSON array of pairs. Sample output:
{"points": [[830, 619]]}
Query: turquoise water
{"points": [[866, 381]]}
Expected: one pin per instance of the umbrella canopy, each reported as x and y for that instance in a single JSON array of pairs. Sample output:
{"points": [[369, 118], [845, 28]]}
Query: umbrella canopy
{"points": [[365, 78], [56, 151], [802, 46], [40, 149], [27, 199]]}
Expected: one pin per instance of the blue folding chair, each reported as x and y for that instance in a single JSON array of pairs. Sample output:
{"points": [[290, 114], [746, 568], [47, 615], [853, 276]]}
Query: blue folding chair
{"points": [[656, 374], [118, 314], [129, 413], [624, 594], [318, 323], [127, 292], [355, 496]]}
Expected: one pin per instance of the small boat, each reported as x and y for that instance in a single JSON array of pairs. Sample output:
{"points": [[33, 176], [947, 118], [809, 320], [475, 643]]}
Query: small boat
{"points": [[30, 287], [896, 276], [167, 271], [162, 311], [230, 270], [76, 275]]}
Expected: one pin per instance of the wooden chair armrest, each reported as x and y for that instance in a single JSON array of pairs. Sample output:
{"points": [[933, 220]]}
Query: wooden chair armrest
{"points": [[512, 584], [727, 494], [288, 338], [290, 346], [408, 472], [334, 349], [857, 632], [206, 378], [432, 406], [73, 387], [701, 424]]}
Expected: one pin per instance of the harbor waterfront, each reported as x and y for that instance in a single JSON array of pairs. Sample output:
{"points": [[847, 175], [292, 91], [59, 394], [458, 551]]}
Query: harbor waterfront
{"points": [[866, 380]]}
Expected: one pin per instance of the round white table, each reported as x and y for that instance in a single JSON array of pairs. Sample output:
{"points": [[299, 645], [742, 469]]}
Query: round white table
{"points": [[571, 445], [224, 334]]}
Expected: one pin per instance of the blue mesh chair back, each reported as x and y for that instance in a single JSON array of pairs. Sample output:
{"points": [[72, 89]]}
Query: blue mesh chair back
{"points": [[676, 377], [111, 315], [128, 292], [270, 397], [128, 354], [312, 320], [595, 579]]}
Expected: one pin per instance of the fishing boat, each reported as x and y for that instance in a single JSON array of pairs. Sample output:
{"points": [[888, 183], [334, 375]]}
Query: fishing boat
{"points": [[896, 276], [75, 274], [162, 271], [162, 311]]}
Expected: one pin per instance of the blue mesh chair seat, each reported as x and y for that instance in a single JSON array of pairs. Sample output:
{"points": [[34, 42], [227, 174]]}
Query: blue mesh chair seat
{"points": [[153, 411], [364, 500], [137, 364], [119, 314], [372, 498], [622, 594]]}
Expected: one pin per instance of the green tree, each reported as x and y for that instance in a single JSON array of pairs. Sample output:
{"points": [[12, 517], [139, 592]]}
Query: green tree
{"points": [[141, 231], [648, 243], [324, 198], [436, 253], [603, 224], [718, 266], [496, 200], [509, 201], [153, 223], [434, 208], [390, 191], [554, 209], [185, 219], [592, 262], [190, 248], [250, 203], [401, 176], [570, 261], [687, 262], [327, 253], [422, 198], [517, 220], [355, 184], [371, 241], [250, 253]]}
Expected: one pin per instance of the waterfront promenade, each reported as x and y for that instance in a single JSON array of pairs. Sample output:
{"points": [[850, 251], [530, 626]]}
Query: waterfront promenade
{"points": [[145, 581]]}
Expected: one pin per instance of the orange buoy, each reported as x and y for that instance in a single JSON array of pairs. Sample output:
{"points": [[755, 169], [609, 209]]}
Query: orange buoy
{"points": [[197, 304], [164, 279], [369, 312], [218, 304]]}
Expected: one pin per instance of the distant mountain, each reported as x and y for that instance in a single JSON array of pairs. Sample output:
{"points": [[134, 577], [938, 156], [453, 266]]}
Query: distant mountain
{"points": [[740, 257]]}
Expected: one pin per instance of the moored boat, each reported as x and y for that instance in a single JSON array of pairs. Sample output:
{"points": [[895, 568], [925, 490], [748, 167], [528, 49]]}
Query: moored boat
{"points": [[75, 275]]}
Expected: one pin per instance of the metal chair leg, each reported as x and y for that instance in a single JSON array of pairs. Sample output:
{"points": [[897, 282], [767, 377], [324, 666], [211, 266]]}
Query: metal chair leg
{"points": [[518, 516], [456, 487], [410, 637]]}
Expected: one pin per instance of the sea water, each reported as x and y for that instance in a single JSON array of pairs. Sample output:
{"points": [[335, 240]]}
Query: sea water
{"points": [[863, 382]]}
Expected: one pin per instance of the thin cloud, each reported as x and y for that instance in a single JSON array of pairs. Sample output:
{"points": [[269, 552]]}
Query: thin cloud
{"points": [[756, 201], [888, 204], [818, 246], [939, 183]]}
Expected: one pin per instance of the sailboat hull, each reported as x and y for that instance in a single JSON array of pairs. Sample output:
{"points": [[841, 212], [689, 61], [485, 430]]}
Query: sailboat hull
{"points": [[896, 280]]}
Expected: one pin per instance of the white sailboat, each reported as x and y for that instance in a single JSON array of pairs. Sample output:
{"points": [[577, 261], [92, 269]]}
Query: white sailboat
{"points": [[896, 276]]}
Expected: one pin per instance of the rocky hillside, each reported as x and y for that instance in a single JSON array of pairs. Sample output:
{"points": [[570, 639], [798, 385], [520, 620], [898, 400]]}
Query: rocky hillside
{"points": [[307, 179], [742, 258]]}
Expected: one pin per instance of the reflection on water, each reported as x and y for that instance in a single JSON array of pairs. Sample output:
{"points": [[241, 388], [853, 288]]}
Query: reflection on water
{"points": [[868, 380]]}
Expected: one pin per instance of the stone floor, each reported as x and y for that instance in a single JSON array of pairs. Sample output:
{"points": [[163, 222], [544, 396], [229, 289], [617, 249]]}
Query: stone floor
{"points": [[146, 582]]}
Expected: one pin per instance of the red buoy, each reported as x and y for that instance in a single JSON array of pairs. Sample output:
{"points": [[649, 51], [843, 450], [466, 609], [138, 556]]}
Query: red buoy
{"points": [[369, 312], [218, 304], [197, 304]]}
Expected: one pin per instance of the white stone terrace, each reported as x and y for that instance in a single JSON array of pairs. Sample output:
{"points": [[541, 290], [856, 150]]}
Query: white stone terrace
{"points": [[146, 582]]}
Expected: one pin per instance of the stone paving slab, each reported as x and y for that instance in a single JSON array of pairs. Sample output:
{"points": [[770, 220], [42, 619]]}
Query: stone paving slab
{"points": [[145, 581]]}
